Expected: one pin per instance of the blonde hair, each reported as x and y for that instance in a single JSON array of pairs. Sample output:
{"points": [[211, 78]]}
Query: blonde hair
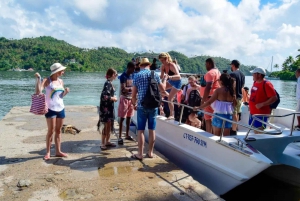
{"points": [[165, 55]]}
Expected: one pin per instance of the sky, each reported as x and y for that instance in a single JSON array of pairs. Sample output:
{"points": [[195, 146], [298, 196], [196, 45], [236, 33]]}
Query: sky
{"points": [[251, 31]]}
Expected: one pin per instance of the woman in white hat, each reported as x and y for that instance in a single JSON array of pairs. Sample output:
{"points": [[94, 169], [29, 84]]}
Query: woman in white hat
{"points": [[55, 92]]}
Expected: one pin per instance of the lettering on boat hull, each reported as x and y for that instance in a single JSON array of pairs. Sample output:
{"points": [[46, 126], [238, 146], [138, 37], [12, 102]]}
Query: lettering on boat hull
{"points": [[195, 140]]}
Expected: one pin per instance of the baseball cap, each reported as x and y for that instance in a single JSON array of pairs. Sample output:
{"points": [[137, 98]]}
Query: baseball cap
{"points": [[259, 70]]}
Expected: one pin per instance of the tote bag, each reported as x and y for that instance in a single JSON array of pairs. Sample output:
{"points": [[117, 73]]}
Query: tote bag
{"points": [[38, 100]]}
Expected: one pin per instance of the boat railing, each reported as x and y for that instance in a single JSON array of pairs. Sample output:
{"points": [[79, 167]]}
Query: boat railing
{"points": [[255, 117], [250, 127]]}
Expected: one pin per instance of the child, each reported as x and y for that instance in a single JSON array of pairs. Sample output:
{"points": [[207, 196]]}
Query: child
{"points": [[106, 114]]}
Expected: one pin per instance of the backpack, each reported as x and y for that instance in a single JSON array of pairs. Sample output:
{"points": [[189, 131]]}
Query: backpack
{"points": [[152, 98], [276, 103], [194, 98]]}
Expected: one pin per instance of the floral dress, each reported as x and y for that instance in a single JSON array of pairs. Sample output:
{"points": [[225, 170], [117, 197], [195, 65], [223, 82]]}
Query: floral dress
{"points": [[106, 104]]}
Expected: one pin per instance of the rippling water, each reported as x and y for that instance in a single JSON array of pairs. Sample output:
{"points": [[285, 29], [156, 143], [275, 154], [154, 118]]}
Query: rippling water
{"points": [[16, 88]]}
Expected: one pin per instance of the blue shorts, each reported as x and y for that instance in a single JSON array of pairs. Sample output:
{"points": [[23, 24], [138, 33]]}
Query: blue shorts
{"points": [[54, 114], [218, 123], [258, 124], [144, 115], [175, 83]]}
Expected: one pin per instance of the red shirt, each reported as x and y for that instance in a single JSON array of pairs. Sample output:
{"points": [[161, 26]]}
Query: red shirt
{"points": [[260, 95]]}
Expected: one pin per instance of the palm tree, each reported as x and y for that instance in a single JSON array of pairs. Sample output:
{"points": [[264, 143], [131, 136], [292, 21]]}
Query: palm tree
{"points": [[287, 63], [276, 66]]}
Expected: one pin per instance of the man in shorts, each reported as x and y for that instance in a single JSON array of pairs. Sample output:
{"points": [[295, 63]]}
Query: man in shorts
{"points": [[211, 77], [297, 73], [262, 96], [125, 109], [144, 115], [239, 84]]}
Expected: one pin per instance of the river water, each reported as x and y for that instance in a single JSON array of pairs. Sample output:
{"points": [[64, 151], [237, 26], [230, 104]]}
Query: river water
{"points": [[16, 89], [85, 88]]}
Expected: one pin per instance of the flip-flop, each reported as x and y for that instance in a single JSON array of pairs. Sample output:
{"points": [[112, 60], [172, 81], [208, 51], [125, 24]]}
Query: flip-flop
{"points": [[103, 147], [111, 145], [136, 158], [129, 138], [61, 155], [46, 158], [148, 156], [170, 118]]}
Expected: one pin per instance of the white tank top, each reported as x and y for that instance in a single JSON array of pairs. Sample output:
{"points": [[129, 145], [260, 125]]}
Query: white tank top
{"points": [[54, 96]]}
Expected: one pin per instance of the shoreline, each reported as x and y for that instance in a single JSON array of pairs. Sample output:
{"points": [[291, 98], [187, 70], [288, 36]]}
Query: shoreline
{"points": [[87, 173]]}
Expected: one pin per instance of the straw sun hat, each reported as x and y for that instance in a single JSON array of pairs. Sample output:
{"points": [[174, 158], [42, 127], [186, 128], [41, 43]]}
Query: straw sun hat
{"points": [[144, 61], [56, 67]]}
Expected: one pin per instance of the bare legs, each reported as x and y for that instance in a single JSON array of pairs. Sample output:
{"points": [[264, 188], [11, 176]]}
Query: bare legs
{"points": [[208, 126], [234, 118], [171, 97], [141, 143], [54, 125], [105, 135], [127, 126], [217, 131], [194, 120]]}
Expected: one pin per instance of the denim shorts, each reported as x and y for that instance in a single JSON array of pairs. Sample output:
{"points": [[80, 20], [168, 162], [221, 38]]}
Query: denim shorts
{"points": [[54, 114], [175, 83], [258, 124], [144, 115], [218, 123]]}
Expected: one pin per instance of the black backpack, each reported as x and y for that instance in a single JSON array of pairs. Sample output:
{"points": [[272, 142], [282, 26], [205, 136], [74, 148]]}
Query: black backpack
{"points": [[152, 98], [276, 103], [194, 98]]}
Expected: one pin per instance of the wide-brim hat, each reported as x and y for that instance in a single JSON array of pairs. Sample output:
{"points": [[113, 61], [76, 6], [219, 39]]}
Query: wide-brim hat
{"points": [[56, 67], [144, 61], [259, 70]]}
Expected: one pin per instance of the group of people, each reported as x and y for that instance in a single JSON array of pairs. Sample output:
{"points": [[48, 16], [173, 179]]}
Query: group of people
{"points": [[220, 94]]}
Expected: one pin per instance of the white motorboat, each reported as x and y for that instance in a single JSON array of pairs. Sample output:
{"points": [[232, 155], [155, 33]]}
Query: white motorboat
{"points": [[222, 163]]}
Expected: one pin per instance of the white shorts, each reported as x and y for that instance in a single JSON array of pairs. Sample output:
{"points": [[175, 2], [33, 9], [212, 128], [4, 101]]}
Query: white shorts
{"points": [[298, 107]]}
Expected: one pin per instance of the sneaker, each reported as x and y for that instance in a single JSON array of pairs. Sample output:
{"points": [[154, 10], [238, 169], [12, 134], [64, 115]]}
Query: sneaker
{"points": [[120, 141], [297, 128]]}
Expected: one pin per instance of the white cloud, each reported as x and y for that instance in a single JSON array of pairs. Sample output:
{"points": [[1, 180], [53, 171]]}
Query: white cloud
{"points": [[94, 9], [250, 32]]}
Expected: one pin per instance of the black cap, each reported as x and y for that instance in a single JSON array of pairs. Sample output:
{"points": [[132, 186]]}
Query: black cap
{"points": [[246, 88], [236, 63]]}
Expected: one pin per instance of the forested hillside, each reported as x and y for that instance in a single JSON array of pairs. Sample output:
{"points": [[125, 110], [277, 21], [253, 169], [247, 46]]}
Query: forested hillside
{"points": [[39, 53]]}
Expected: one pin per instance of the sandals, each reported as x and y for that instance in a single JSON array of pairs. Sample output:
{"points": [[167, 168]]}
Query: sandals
{"points": [[148, 155], [170, 118], [103, 147], [109, 144], [61, 155], [120, 141], [136, 158], [47, 157]]}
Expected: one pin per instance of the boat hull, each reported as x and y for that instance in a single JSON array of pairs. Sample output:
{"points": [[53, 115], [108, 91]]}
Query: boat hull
{"points": [[198, 153]]}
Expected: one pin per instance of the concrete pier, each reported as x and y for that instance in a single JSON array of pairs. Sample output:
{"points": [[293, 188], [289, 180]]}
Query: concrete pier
{"points": [[87, 173]]}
